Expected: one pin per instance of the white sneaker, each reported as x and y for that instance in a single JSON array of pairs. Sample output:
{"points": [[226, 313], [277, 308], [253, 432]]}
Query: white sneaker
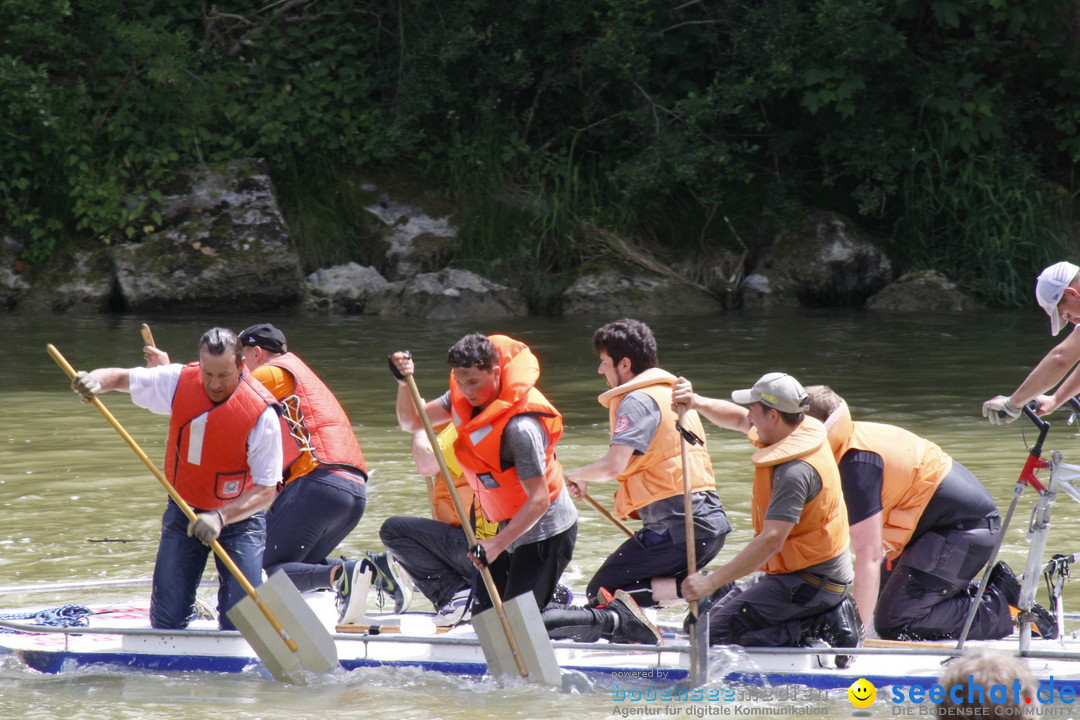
{"points": [[352, 585], [457, 611], [391, 581]]}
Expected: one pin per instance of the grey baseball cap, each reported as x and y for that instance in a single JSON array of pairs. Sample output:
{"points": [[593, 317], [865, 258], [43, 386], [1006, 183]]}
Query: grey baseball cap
{"points": [[777, 390]]}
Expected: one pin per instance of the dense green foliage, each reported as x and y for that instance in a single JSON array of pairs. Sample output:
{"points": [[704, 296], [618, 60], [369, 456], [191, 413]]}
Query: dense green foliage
{"points": [[948, 126]]}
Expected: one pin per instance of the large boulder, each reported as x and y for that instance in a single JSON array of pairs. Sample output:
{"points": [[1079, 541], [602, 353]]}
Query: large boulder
{"points": [[76, 281], [447, 294], [415, 241], [347, 289], [223, 244], [827, 262], [614, 293], [923, 291]]}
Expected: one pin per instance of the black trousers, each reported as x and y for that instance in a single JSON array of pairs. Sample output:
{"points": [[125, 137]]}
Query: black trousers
{"points": [[534, 567], [646, 555], [435, 554], [769, 611], [930, 590]]}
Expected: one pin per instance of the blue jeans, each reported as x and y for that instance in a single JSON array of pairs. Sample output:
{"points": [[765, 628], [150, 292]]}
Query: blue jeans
{"points": [[308, 519], [182, 559]]}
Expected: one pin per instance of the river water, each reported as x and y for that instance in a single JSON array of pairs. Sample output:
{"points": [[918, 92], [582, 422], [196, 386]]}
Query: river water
{"points": [[79, 506]]}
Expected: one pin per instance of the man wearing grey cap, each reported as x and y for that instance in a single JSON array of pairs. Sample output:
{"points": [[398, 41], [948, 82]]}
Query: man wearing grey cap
{"points": [[1058, 294], [800, 530]]}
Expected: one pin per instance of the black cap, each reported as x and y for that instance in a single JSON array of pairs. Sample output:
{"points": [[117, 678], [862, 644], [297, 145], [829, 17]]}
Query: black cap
{"points": [[266, 336]]}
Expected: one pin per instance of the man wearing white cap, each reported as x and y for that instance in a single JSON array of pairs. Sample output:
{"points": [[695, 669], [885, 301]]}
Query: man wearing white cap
{"points": [[1058, 293], [800, 530]]}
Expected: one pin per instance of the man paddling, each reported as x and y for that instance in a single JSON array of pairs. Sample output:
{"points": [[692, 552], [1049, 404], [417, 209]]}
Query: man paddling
{"points": [[225, 453], [506, 436], [800, 532], [1058, 293], [644, 458], [934, 522], [324, 493], [507, 432]]}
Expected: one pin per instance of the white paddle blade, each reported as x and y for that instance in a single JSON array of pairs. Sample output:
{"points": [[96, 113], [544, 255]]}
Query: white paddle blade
{"points": [[315, 651], [532, 640]]}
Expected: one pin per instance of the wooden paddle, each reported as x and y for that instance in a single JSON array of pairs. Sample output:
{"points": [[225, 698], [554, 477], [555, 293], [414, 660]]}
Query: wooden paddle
{"points": [[699, 627], [147, 336], [384, 630], [608, 516], [303, 650], [539, 663]]}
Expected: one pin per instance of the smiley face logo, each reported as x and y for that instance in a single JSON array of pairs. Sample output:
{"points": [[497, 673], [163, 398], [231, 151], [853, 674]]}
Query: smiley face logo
{"points": [[862, 693]]}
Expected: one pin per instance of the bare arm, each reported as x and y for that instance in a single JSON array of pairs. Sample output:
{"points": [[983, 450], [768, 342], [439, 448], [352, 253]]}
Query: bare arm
{"points": [[721, 413], [610, 466], [249, 503], [756, 553], [1049, 371], [866, 544], [155, 357], [422, 454], [407, 415], [102, 380]]}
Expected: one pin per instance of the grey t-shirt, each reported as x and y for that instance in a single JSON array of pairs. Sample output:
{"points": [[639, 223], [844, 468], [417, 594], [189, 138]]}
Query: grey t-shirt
{"points": [[522, 447], [794, 484], [636, 422]]}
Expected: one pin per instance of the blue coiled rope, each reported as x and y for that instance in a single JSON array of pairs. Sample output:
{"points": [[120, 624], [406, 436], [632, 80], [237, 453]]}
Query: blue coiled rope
{"points": [[63, 616]]}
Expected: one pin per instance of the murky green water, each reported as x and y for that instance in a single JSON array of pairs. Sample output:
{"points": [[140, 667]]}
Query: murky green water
{"points": [[77, 505]]}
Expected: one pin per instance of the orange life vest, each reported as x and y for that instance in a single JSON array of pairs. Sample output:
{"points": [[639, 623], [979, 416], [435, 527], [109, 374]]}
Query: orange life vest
{"points": [[442, 505], [318, 421], [206, 451], [914, 467], [822, 530], [658, 474], [498, 489]]}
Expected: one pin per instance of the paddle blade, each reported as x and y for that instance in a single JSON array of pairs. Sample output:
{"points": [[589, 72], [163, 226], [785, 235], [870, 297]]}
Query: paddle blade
{"points": [[533, 642], [699, 651], [315, 652]]}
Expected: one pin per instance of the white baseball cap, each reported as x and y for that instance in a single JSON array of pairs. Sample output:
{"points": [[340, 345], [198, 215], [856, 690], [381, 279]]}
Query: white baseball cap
{"points": [[1048, 290], [776, 390]]}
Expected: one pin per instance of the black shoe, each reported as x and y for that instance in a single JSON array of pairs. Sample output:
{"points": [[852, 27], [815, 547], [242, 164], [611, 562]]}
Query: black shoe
{"points": [[632, 626], [1004, 579], [839, 627], [1044, 621], [707, 602]]}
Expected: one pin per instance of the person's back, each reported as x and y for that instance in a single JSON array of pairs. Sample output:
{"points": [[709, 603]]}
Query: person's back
{"points": [[317, 419], [324, 494], [931, 519]]}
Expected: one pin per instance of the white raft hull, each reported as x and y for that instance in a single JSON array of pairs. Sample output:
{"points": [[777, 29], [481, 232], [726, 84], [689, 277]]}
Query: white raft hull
{"points": [[119, 636]]}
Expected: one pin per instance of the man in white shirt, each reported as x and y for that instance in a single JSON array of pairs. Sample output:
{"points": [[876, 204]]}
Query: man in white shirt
{"points": [[224, 456]]}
